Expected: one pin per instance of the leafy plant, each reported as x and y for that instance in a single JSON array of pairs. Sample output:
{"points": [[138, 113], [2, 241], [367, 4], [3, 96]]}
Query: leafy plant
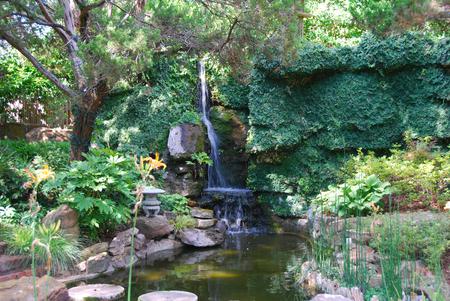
{"points": [[357, 196], [184, 221], [174, 202], [53, 243], [201, 158], [419, 175], [99, 188]]}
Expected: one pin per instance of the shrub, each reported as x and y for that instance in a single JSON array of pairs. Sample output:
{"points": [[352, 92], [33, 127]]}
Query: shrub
{"points": [[357, 196], [99, 188], [55, 154], [419, 176], [183, 222], [289, 206], [11, 179], [64, 252], [175, 203]]}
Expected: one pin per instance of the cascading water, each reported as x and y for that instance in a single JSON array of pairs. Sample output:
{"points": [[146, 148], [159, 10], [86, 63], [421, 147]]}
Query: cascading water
{"points": [[215, 175], [230, 204]]}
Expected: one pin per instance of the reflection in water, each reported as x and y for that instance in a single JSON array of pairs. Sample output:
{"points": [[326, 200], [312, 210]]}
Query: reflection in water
{"points": [[247, 268]]}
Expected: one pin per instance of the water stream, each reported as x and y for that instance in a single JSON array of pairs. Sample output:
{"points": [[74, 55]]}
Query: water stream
{"points": [[246, 268], [233, 202]]}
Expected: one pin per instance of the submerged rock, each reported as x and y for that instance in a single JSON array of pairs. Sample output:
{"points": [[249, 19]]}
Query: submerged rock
{"points": [[98, 292], [48, 289], [168, 296], [201, 238], [154, 227]]}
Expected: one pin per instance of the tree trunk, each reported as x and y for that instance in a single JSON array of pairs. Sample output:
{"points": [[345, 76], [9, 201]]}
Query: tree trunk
{"points": [[85, 113]]}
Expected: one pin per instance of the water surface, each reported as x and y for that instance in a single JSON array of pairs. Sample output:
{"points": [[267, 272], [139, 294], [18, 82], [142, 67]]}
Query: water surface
{"points": [[246, 268]]}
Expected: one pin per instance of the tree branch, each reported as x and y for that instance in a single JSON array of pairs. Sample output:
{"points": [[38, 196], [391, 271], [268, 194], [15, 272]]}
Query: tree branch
{"points": [[230, 32], [26, 53]]}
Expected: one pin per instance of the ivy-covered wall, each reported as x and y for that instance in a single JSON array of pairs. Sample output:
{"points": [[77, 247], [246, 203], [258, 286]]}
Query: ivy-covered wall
{"points": [[307, 118]]}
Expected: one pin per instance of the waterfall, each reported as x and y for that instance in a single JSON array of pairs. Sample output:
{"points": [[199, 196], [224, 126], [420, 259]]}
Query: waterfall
{"points": [[215, 175], [231, 205]]}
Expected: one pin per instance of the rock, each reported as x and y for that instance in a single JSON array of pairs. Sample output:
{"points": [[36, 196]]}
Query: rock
{"points": [[68, 218], [154, 247], [48, 288], [97, 292], [98, 263], [292, 225], [94, 249], [358, 252], [168, 296], [121, 241], [328, 297], [201, 238], [11, 263], [221, 226], [185, 183], [202, 213], [48, 134], [3, 247], [184, 140], [154, 227], [205, 223], [123, 260]]}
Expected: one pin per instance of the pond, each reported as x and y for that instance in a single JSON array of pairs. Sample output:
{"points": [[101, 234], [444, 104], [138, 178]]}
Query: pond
{"points": [[246, 268]]}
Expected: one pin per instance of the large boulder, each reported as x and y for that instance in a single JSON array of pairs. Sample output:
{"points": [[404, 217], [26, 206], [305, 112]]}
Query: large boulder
{"points": [[184, 140], [48, 289], [154, 227], [201, 238], [48, 134], [68, 218], [96, 292]]}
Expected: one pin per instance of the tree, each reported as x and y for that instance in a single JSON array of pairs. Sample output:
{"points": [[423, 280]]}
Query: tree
{"points": [[110, 40]]}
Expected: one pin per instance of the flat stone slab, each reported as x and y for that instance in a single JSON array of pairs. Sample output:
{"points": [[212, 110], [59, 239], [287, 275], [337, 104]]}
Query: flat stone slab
{"points": [[202, 213], [329, 297], [168, 296], [98, 292]]}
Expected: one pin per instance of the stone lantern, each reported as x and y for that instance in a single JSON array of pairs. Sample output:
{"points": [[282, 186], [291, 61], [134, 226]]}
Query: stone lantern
{"points": [[151, 205]]}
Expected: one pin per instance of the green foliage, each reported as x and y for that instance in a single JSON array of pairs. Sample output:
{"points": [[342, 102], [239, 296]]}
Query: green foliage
{"points": [[356, 197], [22, 82], [184, 221], [175, 203], [55, 154], [387, 16], [201, 158], [288, 206], [307, 118], [418, 175], [139, 120], [64, 251], [100, 189]]}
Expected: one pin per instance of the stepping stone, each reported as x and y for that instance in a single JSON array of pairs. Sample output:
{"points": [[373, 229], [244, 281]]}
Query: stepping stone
{"points": [[97, 292], [168, 296]]}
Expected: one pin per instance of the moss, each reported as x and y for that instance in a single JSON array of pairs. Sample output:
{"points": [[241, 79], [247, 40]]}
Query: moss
{"points": [[307, 118]]}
